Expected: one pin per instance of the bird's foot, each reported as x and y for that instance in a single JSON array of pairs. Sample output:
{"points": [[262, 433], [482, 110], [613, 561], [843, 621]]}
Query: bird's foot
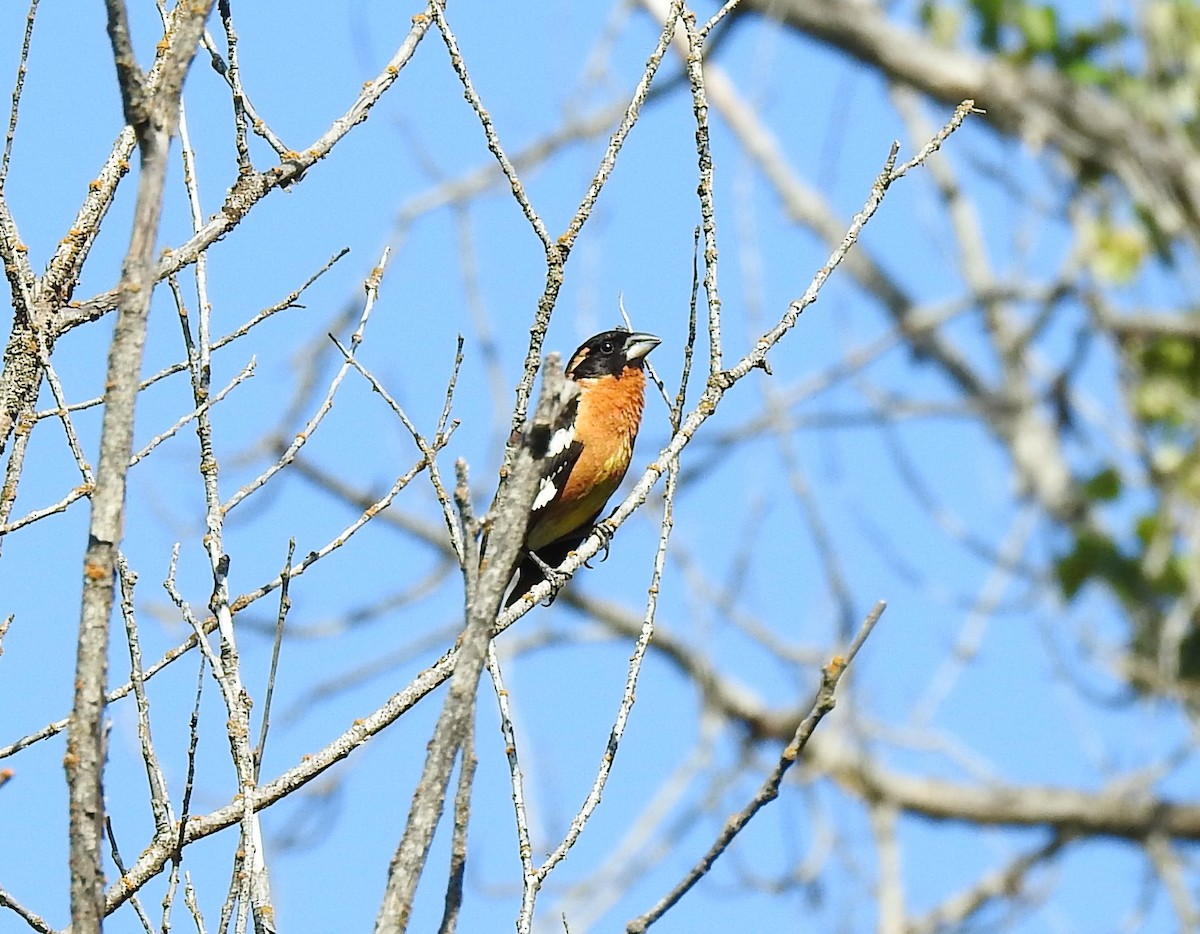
{"points": [[552, 574], [606, 533]]}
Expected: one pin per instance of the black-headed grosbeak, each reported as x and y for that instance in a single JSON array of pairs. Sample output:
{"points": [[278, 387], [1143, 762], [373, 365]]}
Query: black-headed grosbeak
{"points": [[587, 460]]}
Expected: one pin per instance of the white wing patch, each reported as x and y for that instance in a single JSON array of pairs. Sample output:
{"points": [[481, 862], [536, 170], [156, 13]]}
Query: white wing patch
{"points": [[559, 442], [547, 490], [559, 461]]}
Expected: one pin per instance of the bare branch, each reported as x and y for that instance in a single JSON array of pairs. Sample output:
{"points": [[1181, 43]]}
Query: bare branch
{"points": [[831, 674], [156, 118], [484, 591]]}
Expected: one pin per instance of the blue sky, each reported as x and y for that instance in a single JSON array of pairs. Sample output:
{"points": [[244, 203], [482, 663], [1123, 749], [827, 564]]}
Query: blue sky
{"points": [[1008, 708]]}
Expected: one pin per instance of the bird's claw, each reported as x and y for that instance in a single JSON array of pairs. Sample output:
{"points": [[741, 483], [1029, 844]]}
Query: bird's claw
{"points": [[552, 574], [606, 532]]}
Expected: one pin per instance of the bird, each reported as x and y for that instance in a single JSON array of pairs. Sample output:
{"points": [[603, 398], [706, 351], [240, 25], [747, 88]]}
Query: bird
{"points": [[587, 460]]}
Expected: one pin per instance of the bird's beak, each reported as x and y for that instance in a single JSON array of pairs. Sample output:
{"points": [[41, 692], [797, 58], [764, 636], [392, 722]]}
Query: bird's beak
{"points": [[638, 344]]}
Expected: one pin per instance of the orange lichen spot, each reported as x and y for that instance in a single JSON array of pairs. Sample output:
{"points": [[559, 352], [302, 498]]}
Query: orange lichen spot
{"points": [[291, 154], [306, 757], [359, 721], [420, 19], [123, 165], [392, 70], [21, 248], [95, 184], [96, 572], [70, 760], [163, 44]]}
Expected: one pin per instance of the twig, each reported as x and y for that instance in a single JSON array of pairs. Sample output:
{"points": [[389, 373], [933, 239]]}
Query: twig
{"points": [[716, 18], [243, 109], [533, 883], [458, 842], [193, 905], [831, 674], [956, 912], [301, 438], [189, 782], [115, 852], [489, 129], [232, 74], [516, 776], [250, 189], [704, 190], [284, 304], [428, 450], [285, 604], [556, 257], [241, 602], [85, 489], [18, 86], [160, 800], [35, 921], [251, 881]]}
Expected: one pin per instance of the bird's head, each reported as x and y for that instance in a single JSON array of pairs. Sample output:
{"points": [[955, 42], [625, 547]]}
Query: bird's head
{"points": [[611, 353]]}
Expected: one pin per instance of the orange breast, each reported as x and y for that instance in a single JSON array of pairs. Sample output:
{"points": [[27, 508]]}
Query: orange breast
{"points": [[610, 411]]}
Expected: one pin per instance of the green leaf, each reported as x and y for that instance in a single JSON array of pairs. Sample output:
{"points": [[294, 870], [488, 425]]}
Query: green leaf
{"points": [[1039, 27], [1147, 527], [1104, 486], [1116, 252], [990, 14], [1092, 554], [1082, 71]]}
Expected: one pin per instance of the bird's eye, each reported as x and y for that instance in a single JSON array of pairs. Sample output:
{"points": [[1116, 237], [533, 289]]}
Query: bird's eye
{"points": [[607, 347]]}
